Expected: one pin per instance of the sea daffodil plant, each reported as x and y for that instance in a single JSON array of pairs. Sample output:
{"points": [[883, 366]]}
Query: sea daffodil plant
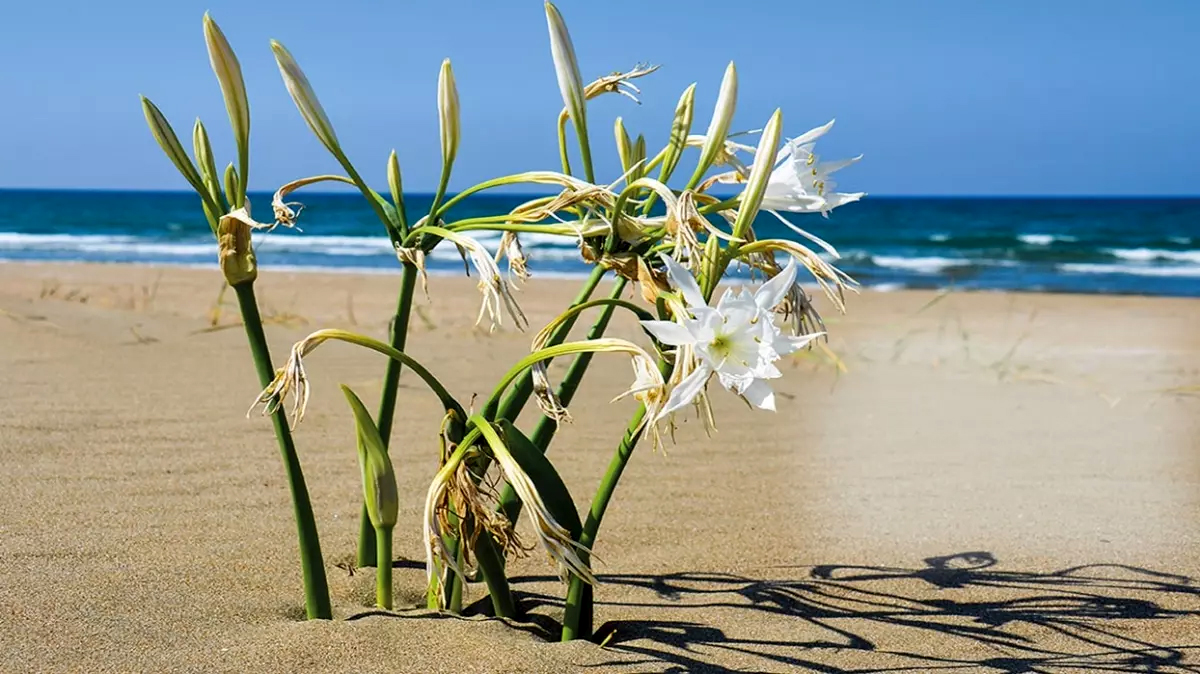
{"points": [[675, 244]]}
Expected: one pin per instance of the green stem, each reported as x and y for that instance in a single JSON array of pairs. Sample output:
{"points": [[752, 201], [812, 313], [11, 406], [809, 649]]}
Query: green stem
{"points": [[387, 400], [383, 571], [720, 205], [312, 565], [439, 195], [378, 203], [491, 565], [578, 618], [455, 590], [585, 153], [563, 155]]}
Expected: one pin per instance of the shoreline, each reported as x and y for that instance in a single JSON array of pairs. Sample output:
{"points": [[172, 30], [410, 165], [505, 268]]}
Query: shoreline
{"points": [[880, 287]]}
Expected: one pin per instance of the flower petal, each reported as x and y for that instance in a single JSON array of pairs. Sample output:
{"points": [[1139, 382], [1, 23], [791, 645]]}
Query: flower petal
{"points": [[681, 278], [785, 344], [812, 134], [687, 390], [669, 332], [760, 395], [772, 292]]}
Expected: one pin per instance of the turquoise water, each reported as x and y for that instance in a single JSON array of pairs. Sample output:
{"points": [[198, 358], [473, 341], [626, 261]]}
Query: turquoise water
{"points": [[1142, 246]]}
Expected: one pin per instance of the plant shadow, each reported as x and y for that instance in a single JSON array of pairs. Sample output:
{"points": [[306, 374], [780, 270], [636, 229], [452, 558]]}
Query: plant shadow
{"points": [[959, 612]]}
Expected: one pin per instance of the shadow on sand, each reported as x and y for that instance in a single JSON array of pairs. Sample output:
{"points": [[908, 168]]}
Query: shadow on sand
{"points": [[957, 612]]}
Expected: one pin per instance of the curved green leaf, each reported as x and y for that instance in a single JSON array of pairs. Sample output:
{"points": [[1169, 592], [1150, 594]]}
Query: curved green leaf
{"points": [[539, 469]]}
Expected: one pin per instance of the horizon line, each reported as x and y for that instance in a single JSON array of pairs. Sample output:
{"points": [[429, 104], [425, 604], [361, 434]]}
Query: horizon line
{"points": [[430, 194]]}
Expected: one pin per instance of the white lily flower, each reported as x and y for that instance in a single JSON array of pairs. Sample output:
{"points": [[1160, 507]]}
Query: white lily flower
{"points": [[801, 183], [737, 339]]}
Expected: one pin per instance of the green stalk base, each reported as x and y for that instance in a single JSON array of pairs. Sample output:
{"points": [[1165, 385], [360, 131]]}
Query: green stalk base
{"points": [[312, 565], [383, 570], [577, 621], [387, 400]]}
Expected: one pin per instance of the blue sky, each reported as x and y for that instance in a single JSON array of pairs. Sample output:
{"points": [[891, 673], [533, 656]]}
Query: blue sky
{"points": [[942, 96]]}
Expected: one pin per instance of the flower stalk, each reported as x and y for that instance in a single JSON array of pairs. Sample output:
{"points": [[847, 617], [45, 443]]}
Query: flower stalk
{"points": [[577, 620], [312, 566], [397, 338]]}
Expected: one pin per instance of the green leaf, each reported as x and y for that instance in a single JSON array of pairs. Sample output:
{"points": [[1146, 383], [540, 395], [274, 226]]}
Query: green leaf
{"points": [[202, 150], [379, 481], [539, 469]]}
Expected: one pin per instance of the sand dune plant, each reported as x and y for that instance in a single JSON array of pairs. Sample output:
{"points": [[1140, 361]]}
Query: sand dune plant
{"points": [[670, 248], [229, 217]]}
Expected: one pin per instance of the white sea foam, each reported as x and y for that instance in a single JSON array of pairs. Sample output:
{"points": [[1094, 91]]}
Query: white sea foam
{"points": [[9, 240], [921, 265], [939, 237], [1152, 254], [270, 244], [1182, 271], [1043, 239]]}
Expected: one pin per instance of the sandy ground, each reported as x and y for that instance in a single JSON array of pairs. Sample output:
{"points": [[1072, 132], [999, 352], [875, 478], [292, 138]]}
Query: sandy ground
{"points": [[995, 483]]}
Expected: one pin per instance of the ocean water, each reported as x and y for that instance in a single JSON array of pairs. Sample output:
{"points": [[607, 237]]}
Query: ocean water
{"points": [[1128, 246]]}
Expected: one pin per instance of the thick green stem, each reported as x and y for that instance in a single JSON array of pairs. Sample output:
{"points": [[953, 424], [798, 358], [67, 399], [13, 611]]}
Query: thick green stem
{"points": [[578, 618], [312, 565], [491, 565], [387, 401], [455, 590], [383, 570]]}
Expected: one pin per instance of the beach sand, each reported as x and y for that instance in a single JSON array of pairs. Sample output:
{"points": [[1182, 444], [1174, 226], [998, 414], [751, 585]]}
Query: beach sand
{"points": [[996, 482]]}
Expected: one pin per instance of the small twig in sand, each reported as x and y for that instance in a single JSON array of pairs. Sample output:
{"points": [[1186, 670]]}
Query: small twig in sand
{"points": [[149, 293], [214, 314], [942, 294], [140, 338], [350, 309], [424, 316], [1001, 366]]}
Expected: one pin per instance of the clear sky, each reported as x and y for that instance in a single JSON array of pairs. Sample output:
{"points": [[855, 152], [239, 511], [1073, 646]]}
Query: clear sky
{"points": [[942, 96]]}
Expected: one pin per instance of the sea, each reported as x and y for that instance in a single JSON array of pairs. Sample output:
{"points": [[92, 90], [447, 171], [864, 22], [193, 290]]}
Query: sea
{"points": [[1146, 246]]}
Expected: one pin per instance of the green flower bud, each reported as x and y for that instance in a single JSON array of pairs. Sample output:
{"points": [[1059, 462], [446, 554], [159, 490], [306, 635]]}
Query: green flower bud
{"points": [[681, 126], [448, 114], [305, 99], [233, 88], [379, 481], [718, 128], [760, 174]]}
